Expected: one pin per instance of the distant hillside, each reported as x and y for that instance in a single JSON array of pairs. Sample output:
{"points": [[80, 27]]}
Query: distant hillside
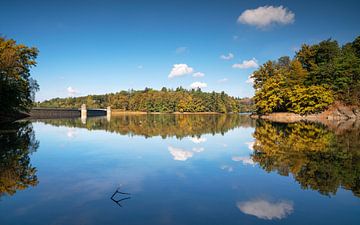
{"points": [[164, 100]]}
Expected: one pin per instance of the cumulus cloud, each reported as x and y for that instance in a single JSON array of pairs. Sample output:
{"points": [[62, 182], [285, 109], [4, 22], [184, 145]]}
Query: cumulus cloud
{"points": [[181, 50], [198, 85], [229, 56], [71, 91], [179, 70], [197, 140], [266, 210], [246, 64], [266, 16], [180, 154], [250, 80], [198, 74], [223, 80], [246, 160]]}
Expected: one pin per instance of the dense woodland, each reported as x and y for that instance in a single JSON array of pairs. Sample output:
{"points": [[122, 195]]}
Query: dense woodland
{"points": [[164, 100], [317, 76]]}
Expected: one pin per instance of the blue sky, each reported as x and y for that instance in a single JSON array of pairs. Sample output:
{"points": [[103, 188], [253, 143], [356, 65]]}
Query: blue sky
{"points": [[95, 47]]}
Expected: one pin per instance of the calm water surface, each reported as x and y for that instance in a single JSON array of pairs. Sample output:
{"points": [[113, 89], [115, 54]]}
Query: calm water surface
{"points": [[186, 169]]}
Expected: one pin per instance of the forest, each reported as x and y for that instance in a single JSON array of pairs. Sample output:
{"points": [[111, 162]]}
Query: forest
{"points": [[317, 76], [164, 100]]}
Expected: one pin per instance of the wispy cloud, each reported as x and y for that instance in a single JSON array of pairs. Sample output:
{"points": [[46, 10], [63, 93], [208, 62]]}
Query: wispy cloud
{"points": [[229, 56], [224, 80], [181, 50], [266, 16], [179, 70], [198, 74], [246, 160], [198, 149], [227, 168], [198, 84], [246, 64], [71, 91]]}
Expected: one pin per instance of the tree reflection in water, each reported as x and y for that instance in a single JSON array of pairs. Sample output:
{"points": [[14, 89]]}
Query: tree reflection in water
{"points": [[164, 125], [318, 158], [17, 142]]}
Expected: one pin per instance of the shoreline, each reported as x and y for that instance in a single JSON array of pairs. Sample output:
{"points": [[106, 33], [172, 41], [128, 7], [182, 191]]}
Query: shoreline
{"points": [[115, 112], [336, 112], [9, 118], [337, 117]]}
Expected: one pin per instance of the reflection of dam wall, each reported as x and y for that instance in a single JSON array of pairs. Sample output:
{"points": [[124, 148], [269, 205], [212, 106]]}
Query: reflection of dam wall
{"points": [[47, 113]]}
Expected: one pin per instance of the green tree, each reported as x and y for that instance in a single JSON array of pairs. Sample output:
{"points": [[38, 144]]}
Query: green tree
{"points": [[17, 88]]}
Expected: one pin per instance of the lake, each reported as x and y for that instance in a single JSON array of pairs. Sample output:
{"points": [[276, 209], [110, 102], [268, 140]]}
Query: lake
{"points": [[178, 169]]}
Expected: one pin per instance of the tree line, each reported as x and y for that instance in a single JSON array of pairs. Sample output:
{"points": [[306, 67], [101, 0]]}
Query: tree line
{"points": [[164, 100], [313, 79]]}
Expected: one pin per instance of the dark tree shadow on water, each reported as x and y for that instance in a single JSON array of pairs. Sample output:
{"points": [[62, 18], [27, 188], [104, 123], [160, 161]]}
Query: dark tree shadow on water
{"points": [[17, 143], [118, 197]]}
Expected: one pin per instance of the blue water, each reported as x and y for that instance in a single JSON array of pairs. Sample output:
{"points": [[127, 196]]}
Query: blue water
{"points": [[170, 173]]}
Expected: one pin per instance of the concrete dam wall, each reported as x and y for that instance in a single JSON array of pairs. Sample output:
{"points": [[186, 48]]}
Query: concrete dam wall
{"points": [[48, 113]]}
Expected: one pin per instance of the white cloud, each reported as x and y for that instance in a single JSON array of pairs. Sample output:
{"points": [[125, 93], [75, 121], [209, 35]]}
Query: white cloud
{"points": [[246, 160], [181, 50], [263, 209], [71, 133], [223, 80], [197, 140], [71, 91], [265, 16], [198, 149], [180, 154], [246, 64], [229, 56], [227, 168], [198, 85], [250, 80], [179, 70], [250, 145], [140, 67], [198, 74]]}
